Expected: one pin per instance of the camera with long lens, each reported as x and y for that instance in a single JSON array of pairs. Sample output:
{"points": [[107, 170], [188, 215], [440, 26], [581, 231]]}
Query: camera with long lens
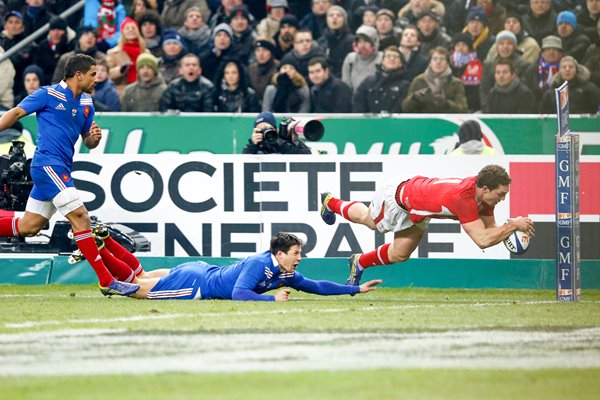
{"points": [[290, 129], [15, 178], [270, 135]]}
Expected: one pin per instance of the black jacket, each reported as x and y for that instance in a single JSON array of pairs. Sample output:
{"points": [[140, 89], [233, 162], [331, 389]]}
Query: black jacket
{"points": [[334, 96], [381, 92], [187, 96], [584, 96], [337, 44], [515, 99], [282, 147], [47, 58]]}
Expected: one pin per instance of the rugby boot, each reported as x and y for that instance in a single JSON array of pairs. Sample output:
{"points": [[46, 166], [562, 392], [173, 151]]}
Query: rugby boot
{"points": [[355, 270], [101, 231], [119, 288], [326, 214], [75, 257]]}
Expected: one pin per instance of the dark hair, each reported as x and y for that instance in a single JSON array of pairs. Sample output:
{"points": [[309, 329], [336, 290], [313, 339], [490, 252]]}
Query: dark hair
{"points": [[78, 62], [505, 61], [303, 30], [319, 60], [492, 176], [152, 17], [283, 241]]}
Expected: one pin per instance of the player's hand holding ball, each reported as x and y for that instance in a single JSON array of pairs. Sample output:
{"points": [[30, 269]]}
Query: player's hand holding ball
{"points": [[518, 241]]}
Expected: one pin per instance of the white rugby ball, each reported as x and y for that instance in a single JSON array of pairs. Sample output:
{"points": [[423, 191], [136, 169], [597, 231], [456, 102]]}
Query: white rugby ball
{"points": [[517, 242]]}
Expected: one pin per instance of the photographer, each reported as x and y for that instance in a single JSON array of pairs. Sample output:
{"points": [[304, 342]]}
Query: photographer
{"points": [[266, 138]]}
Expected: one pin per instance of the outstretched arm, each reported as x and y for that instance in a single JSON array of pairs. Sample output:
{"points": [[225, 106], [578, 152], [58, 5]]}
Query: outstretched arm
{"points": [[327, 288], [485, 234], [11, 117]]}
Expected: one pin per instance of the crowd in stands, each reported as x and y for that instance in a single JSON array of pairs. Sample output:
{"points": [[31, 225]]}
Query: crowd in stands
{"points": [[321, 56]]}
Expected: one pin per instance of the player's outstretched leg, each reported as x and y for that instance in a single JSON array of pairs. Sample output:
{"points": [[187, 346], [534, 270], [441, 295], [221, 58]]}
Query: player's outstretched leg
{"points": [[102, 231], [358, 262], [355, 270], [353, 211]]}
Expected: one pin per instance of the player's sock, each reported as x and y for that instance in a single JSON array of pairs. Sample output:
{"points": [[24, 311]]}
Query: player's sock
{"points": [[9, 226], [341, 207], [379, 256], [123, 254], [116, 267], [87, 245]]}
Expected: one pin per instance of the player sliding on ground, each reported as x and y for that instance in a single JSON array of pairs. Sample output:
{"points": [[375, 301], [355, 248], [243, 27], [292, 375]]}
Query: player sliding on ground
{"points": [[405, 207], [248, 279]]}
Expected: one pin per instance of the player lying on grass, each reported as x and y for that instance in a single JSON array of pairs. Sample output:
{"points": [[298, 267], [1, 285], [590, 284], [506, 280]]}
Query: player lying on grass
{"points": [[405, 207], [247, 279]]}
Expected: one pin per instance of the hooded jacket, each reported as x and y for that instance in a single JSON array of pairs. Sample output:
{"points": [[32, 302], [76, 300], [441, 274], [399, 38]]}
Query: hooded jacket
{"points": [[584, 96], [355, 68], [143, 97]]}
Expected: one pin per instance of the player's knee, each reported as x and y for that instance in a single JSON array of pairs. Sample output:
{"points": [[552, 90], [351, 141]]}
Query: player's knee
{"points": [[69, 202]]}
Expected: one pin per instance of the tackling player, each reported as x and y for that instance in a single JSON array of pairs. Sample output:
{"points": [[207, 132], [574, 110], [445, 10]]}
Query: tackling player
{"points": [[406, 206], [64, 112]]}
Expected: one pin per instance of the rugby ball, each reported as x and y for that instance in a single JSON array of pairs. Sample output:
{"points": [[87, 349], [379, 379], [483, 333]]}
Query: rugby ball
{"points": [[517, 242]]}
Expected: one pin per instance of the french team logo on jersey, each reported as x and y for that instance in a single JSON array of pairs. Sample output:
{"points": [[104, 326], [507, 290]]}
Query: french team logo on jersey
{"points": [[86, 111], [65, 177], [74, 112]]}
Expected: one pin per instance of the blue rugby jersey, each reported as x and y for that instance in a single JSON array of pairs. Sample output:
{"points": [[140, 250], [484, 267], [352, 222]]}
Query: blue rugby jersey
{"points": [[245, 280], [61, 120]]}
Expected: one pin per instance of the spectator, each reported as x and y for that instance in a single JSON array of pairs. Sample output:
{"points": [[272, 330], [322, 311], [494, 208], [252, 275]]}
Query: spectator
{"points": [[121, 59], [243, 35], [574, 42], [269, 26], [284, 39], [588, 18], [337, 39], [144, 95], [86, 44], [173, 52], [480, 33], [190, 93], [539, 76], [316, 20], [328, 94], [506, 44], [357, 11], [387, 33], [527, 45], [496, 14], [584, 96], [262, 70], [56, 44], [362, 61], [288, 92], [140, 7], [232, 93], [470, 141], [107, 17], [305, 48], [151, 30], [7, 72], [219, 53], [592, 61], [428, 23], [509, 95], [174, 12], [408, 14], [223, 13], [32, 80], [540, 20], [106, 97], [384, 91], [467, 67], [195, 33], [436, 90], [368, 16], [416, 63], [258, 145], [36, 15], [12, 34]]}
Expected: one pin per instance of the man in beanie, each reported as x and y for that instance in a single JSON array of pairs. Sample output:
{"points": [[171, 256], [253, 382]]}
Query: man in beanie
{"points": [[304, 49], [52, 48], [284, 38], [540, 20], [174, 12], [387, 32], [258, 145], [195, 32], [269, 26], [428, 23], [467, 67], [190, 93], [480, 33], [363, 61], [262, 70], [219, 52], [574, 41], [316, 20], [173, 52], [337, 39], [509, 95], [539, 76], [527, 45], [506, 45], [243, 35], [86, 44], [470, 141], [144, 94]]}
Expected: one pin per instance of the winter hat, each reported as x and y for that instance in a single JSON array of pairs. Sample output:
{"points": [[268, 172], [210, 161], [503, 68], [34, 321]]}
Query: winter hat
{"points": [[267, 117], [477, 14], [506, 35], [289, 19], [463, 37], [429, 13], [34, 69], [171, 35], [289, 61], [86, 29], [514, 14], [277, 3], [240, 11], [223, 27], [58, 23], [148, 60], [469, 130], [552, 42], [341, 10], [567, 17], [266, 43], [367, 33], [128, 20], [386, 12], [14, 13]]}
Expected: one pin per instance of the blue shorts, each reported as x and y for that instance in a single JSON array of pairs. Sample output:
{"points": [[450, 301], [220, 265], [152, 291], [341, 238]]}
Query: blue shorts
{"points": [[49, 180], [182, 283]]}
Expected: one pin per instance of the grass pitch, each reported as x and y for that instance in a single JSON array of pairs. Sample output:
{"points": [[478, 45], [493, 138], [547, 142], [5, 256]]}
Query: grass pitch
{"points": [[69, 342]]}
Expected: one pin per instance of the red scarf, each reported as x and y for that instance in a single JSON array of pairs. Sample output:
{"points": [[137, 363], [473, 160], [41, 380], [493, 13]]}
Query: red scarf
{"points": [[107, 20], [133, 50]]}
